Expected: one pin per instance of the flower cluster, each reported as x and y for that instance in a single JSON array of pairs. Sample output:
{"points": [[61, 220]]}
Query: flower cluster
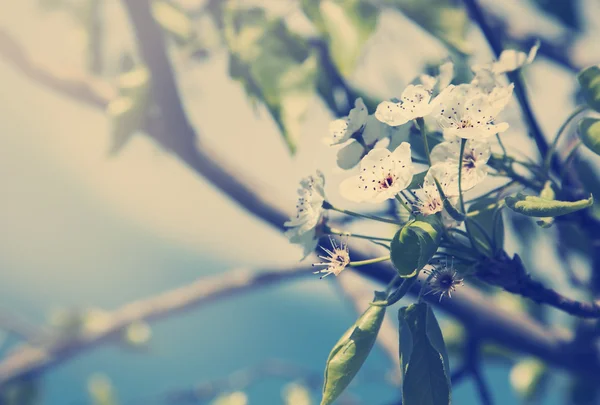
{"points": [[460, 120]]}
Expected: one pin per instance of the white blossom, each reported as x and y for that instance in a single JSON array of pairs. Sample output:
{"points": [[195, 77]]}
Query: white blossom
{"points": [[383, 174], [441, 81], [429, 199], [466, 112], [336, 259], [343, 129], [350, 154], [309, 212], [474, 163], [415, 103], [509, 60]]}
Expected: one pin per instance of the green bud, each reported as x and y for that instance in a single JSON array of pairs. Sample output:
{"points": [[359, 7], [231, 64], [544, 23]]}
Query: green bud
{"points": [[415, 244], [534, 206]]}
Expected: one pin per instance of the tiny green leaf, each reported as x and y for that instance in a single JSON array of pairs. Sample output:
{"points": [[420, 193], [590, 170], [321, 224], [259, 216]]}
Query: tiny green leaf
{"points": [[589, 132], [415, 244], [589, 80], [347, 25], [548, 194], [443, 18], [425, 374], [417, 180], [173, 20], [275, 66], [527, 376], [534, 206], [489, 216], [351, 351]]}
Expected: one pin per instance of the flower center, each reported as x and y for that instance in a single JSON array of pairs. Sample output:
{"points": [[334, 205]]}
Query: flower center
{"points": [[469, 162], [387, 182]]}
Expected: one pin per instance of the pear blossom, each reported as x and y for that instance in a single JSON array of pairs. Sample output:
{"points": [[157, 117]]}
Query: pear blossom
{"points": [[441, 81], [466, 112], [336, 259], [309, 212], [350, 154], [383, 174], [429, 200], [415, 103], [510, 60], [342, 129], [474, 164]]}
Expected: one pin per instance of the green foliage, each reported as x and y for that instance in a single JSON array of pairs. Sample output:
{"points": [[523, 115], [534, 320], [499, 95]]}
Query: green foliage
{"points": [[445, 19], [232, 398], [346, 25], [351, 351], [174, 21], [589, 132], [101, 390], [589, 80], [296, 394], [127, 112], [527, 377], [547, 193], [488, 215], [417, 180], [534, 206], [275, 66], [423, 357], [415, 244]]}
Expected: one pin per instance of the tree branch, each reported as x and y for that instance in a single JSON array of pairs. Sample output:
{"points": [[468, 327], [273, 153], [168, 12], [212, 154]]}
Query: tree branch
{"points": [[90, 91], [32, 360]]}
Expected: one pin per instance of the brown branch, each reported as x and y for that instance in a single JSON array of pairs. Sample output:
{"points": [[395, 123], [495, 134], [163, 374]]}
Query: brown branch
{"points": [[33, 360], [87, 90]]}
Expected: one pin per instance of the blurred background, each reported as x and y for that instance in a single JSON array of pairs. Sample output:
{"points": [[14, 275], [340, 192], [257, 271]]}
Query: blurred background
{"points": [[97, 212]]}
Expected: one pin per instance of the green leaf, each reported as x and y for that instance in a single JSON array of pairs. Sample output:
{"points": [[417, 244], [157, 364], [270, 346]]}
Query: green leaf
{"points": [[415, 244], [346, 24], [589, 80], [445, 19], [425, 374], [351, 351], [534, 206], [275, 66], [417, 180], [547, 193], [589, 132], [173, 20], [489, 216], [127, 112]]}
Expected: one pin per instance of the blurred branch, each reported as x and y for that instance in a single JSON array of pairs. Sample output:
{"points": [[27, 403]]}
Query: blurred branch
{"points": [[242, 380], [87, 90], [32, 360], [21, 327], [511, 275]]}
